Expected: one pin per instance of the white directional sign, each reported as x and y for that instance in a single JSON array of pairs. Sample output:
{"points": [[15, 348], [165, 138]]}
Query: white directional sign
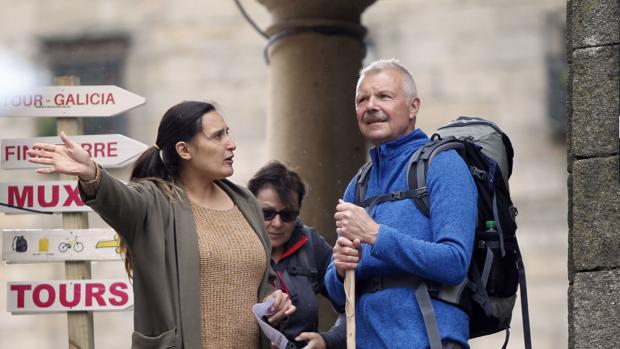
{"points": [[56, 296], [70, 101], [52, 196], [111, 150], [59, 245]]}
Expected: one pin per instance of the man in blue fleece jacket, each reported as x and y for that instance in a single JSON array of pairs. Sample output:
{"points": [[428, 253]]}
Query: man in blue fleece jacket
{"points": [[395, 241]]}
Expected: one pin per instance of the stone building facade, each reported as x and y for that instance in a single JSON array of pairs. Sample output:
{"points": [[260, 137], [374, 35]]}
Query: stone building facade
{"points": [[499, 59], [594, 180]]}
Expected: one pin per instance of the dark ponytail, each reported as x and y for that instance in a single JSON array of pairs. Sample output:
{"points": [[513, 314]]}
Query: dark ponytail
{"points": [[149, 164]]}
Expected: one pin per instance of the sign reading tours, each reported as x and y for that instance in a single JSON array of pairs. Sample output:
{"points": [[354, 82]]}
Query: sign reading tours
{"points": [[59, 245], [52, 196], [111, 150], [70, 101], [29, 297]]}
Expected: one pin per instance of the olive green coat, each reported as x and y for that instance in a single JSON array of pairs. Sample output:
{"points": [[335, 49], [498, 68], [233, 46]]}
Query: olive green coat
{"points": [[162, 236]]}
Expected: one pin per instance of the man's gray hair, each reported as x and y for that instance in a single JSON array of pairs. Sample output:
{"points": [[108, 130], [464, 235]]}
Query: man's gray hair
{"points": [[394, 64]]}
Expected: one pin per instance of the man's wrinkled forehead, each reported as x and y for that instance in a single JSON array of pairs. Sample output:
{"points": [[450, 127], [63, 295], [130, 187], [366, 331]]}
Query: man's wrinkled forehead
{"points": [[381, 79]]}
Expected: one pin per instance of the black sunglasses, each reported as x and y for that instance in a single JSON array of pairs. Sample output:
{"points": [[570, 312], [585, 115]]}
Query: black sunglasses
{"points": [[285, 215]]}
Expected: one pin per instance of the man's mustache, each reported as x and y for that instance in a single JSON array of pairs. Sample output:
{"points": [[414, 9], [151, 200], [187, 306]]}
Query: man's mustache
{"points": [[375, 116]]}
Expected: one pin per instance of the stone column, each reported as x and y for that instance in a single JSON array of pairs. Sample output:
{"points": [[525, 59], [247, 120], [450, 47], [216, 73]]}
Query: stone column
{"points": [[594, 182], [315, 52]]}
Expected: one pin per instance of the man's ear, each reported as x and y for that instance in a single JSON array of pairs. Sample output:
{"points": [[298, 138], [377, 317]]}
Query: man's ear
{"points": [[414, 107], [182, 149]]}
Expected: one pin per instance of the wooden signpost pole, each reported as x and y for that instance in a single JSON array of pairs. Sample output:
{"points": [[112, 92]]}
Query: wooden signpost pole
{"points": [[80, 323]]}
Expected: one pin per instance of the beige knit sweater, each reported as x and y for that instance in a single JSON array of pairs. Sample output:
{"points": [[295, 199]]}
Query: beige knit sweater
{"points": [[232, 263]]}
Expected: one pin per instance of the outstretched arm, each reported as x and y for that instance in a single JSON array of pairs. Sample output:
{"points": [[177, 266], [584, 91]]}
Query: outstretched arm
{"points": [[114, 205]]}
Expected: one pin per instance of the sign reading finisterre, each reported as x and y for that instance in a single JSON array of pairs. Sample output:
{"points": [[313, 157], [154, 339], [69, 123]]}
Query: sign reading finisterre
{"points": [[107, 150], [70, 101]]}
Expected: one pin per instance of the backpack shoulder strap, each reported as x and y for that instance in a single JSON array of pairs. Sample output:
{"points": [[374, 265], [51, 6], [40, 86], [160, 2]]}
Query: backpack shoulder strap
{"points": [[525, 313], [307, 259], [419, 163], [307, 265], [416, 177], [361, 182]]}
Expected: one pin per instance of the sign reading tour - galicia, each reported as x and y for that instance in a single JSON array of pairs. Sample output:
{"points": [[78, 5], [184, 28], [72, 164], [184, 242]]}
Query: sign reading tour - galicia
{"points": [[107, 150], [69, 101]]}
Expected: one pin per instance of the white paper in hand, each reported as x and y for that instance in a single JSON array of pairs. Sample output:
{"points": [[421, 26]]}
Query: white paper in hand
{"points": [[262, 309]]}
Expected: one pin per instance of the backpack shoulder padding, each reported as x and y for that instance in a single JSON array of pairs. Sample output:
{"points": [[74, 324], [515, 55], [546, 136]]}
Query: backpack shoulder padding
{"points": [[361, 182], [418, 167]]}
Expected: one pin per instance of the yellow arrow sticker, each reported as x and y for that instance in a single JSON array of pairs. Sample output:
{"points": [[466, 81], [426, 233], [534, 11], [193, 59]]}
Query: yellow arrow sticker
{"points": [[110, 243]]}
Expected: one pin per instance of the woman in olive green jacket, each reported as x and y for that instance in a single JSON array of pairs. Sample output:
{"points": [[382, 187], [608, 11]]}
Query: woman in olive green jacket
{"points": [[194, 242]]}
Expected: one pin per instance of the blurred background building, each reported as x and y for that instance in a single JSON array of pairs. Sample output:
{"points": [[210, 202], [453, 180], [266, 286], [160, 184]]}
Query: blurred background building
{"points": [[503, 60]]}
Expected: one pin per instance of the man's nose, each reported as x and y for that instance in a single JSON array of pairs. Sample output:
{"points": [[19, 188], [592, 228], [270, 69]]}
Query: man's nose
{"points": [[372, 103]]}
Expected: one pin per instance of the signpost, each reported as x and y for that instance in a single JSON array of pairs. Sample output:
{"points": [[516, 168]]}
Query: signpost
{"points": [[70, 101], [59, 245], [110, 151], [52, 196], [56, 296], [75, 244]]}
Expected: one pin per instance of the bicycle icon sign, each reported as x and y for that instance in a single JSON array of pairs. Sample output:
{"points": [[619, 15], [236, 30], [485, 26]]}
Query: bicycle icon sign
{"points": [[69, 244]]}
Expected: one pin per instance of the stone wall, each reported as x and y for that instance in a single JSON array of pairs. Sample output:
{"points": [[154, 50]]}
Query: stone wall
{"points": [[594, 183]]}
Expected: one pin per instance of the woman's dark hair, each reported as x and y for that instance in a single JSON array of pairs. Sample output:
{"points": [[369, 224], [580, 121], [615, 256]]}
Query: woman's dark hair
{"points": [[161, 162], [281, 179], [179, 124]]}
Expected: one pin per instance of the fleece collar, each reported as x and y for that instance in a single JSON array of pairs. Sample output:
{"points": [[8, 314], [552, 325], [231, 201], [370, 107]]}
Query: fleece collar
{"points": [[407, 143]]}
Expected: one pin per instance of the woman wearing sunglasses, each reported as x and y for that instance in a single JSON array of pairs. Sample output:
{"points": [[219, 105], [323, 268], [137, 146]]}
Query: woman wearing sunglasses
{"points": [[194, 242], [299, 256]]}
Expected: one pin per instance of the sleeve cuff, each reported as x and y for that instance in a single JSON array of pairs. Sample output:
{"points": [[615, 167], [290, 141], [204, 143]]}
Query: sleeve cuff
{"points": [[327, 338], [378, 245], [384, 243], [90, 187]]}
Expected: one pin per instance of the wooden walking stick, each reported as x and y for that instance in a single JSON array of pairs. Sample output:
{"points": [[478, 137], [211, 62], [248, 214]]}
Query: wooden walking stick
{"points": [[349, 291]]}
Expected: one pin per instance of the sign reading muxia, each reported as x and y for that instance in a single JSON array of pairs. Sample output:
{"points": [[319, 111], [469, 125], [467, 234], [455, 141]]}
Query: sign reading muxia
{"points": [[59, 245], [55, 296], [70, 101], [112, 150], [53, 196]]}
